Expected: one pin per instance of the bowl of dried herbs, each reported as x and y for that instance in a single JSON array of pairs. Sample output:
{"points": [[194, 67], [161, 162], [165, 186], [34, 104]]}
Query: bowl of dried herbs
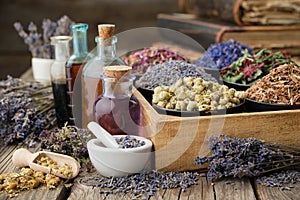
{"points": [[245, 71], [279, 90]]}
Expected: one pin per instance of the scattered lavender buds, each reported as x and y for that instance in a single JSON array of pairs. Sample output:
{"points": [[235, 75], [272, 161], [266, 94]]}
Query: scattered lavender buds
{"points": [[169, 73], [283, 179], [26, 108], [234, 157], [220, 55], [68, 140], [39, 44], [128, 142], [142, 185]]}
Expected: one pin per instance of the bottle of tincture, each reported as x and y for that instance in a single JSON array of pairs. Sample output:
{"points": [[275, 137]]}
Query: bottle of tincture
{"points": [[58, 78], [74, 66], [116, 109], [93, 70]]}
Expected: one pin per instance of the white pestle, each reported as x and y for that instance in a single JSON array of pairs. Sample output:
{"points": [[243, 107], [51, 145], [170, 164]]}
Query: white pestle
{"points": [[102, 135]]}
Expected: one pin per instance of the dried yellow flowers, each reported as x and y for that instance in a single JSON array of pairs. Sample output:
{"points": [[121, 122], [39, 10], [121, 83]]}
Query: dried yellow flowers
{"points": [[26, 179], [196, 94]]}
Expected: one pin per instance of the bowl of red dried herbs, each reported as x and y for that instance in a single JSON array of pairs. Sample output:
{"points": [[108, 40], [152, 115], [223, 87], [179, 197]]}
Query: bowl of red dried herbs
{"points": [[141, 60], [279, 90]]}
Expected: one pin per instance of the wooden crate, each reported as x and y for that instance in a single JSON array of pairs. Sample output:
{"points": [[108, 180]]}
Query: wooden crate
{"points": [[178, 140]]}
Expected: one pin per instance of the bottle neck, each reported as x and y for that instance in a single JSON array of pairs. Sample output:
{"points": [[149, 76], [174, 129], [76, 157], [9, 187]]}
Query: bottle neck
{"points": [[106, 48], [117, 88], [62, 51], [80, 43]]}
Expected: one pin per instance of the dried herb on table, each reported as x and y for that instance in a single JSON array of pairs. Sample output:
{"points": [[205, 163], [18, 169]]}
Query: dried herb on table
{"points": [[26, 108], [248, 157], [68, 140], [142, 185], [280, 86], [283, 179], [13, 183], [220, 55], [142, 60], [249, 68]]}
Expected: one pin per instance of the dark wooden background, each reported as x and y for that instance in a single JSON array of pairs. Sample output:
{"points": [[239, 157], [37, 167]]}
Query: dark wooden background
{"points": [[126, 14]]}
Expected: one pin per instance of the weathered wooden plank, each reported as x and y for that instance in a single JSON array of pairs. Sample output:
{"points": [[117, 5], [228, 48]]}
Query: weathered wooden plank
{"points": [[85, 188], [158, 195], [266, 193], [202, 191], [229, 189]]}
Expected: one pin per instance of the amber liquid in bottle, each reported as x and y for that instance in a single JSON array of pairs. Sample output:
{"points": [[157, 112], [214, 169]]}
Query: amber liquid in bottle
{"points": [[118, 114]]}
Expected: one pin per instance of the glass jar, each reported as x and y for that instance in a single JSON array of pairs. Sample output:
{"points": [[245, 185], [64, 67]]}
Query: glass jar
{"points": [[93, 70], [58, 78], [74, 65], [116, 109]]}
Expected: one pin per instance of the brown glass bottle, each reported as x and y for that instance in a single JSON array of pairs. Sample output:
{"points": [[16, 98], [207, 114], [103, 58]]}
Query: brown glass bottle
{"points": [[116, 109]]}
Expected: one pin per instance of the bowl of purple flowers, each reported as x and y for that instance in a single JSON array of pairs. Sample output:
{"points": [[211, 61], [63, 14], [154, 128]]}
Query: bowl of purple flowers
{"points": [[132, 156]]}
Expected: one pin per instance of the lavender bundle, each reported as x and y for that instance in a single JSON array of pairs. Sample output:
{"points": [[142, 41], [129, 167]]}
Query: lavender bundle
{"points": [[26, 108], [39, 44], [249, 157]]}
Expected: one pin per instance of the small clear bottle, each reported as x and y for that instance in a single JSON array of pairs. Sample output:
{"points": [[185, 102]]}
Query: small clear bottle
{"points": [[116, 109], [58, 78], [93, 70], [74, 65]]}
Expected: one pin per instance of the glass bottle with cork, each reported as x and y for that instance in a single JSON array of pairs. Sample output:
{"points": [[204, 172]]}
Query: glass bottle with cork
{"points": [[58, 78], [116, 109], [93, 70], [79, 57]]}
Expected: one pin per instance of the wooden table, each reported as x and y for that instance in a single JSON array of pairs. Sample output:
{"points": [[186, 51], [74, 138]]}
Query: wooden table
{"points": [[230, 189]]}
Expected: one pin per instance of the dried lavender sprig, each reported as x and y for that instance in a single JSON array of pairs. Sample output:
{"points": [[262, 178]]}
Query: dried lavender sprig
{"points": [[21, 115], [39, 44], [243, 157]]}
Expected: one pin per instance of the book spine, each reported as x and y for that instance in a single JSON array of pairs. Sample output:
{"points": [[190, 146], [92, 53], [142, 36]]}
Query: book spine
{"points": [[226, 10]]}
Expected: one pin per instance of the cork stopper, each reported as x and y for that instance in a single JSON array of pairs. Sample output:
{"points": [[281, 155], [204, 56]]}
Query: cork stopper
{"points": [[106, 30], [117, 71]]}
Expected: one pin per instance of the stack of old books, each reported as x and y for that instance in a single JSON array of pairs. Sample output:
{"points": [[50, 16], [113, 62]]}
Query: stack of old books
{"points": [[273, 24]]}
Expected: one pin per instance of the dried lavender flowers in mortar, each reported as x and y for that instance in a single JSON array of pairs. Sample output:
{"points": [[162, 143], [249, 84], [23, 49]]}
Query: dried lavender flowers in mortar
{"points": [[128, 142], [144, 184]]}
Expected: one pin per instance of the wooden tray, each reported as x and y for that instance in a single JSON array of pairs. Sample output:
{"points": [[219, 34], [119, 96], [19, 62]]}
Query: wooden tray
{"points": [[177, 140]]}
